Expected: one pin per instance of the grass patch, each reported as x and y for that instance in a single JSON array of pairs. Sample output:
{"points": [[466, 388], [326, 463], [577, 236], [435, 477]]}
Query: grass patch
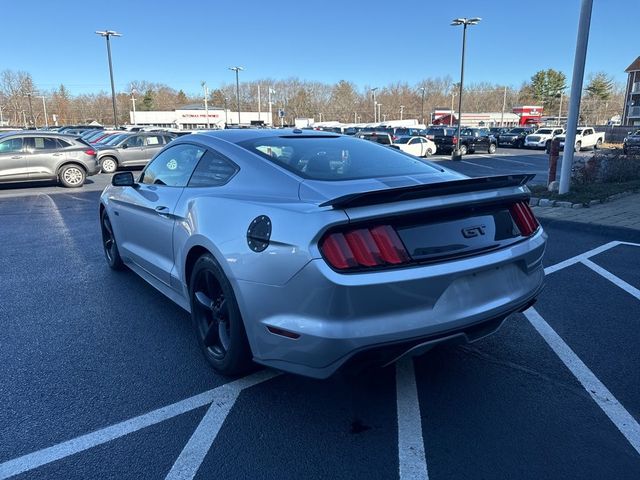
{"points": [[586, 193]]}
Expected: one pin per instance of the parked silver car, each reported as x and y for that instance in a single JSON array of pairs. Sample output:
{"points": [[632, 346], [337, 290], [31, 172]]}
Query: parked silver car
{"points": [[131, 150], [29, 156], [307, 250]]}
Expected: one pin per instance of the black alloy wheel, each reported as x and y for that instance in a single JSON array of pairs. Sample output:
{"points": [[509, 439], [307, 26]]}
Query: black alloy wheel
{"points": [[109, 243], [216, 318]]}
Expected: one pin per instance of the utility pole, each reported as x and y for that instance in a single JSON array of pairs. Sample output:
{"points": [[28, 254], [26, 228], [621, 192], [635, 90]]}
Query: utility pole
{"points": [[504, 104], [259, 106], [422, 107], [453, 96], [576, 90], [355, 116], [33, 119], [206, 101], [1, 118], [271, 90], [108, 34], [133, 101], [237, 69], [379, 111], [560, 108], [374, 104], [401, 110]]}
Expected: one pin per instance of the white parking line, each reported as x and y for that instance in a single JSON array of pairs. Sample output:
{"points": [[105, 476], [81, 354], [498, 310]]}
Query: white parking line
{"points": [[515, 161], [84, 442], [477, 164], [583, 256], [192, 455], [411, 454], [620, 417], [612, 278]]}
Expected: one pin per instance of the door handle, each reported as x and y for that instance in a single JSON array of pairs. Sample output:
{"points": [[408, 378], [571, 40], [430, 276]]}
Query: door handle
{"points": [[162, 211], [15, 157], [57, 154]]}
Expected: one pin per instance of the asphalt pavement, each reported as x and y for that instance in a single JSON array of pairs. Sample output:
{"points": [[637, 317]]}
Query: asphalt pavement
{"points": [[101, 377]]}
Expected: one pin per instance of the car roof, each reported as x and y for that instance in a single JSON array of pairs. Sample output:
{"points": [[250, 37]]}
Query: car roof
{"points": [[242, 134]]}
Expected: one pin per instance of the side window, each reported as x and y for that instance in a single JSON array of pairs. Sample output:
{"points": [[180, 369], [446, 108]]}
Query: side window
{"points": [[153, 140], [11, 145], [44, 143], [135, 141], [213, 170], [167, 139], [62, 143], [174, 166]]}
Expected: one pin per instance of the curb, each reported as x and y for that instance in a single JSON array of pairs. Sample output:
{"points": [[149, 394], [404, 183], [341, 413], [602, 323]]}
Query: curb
{"points": [[547, 203]]}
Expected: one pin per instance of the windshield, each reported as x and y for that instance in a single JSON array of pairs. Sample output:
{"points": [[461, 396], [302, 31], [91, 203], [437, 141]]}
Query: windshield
{"points": [[545, 131], [403, 140], [469, 132], [517, 130], [335, 158]]}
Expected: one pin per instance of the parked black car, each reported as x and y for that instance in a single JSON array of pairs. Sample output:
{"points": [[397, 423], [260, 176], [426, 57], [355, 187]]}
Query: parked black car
{"points": [[514, 137], [497, 131], [631, 142], [471, 140]]}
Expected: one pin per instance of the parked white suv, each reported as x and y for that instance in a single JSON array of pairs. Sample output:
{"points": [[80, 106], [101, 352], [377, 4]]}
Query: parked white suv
{"points": [[585, 137], [542, 137]]}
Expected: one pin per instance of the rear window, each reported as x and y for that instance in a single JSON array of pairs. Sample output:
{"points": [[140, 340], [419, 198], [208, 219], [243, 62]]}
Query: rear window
{"points": [[335, 158], [545, 131]]}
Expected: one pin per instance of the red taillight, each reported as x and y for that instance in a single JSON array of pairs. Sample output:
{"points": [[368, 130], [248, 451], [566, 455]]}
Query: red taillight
{"points": [[90, 152], [364, 247], [524, 218], [455, 140], [394, 138], [337, 251]]}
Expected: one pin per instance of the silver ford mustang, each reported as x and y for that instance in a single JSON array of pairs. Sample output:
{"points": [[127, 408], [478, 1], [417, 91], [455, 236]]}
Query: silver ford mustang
{"points": [[308, 251]]}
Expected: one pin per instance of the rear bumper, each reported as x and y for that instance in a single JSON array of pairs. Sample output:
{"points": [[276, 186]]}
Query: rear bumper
{"points": [[93, 169], [339, 316]]}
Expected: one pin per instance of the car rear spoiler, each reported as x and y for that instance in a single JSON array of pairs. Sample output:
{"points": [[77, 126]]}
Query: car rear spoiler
{"points": [[412, 192]]}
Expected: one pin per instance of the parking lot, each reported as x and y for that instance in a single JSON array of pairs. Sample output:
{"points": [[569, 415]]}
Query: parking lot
{"points": [[101, 377]]}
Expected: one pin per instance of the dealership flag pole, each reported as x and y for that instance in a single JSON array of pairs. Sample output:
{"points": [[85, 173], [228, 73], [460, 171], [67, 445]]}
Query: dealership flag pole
{"points": [[576, 90]]}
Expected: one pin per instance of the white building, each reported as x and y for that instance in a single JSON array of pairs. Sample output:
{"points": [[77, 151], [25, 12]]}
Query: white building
{"points": [[193, 117]]}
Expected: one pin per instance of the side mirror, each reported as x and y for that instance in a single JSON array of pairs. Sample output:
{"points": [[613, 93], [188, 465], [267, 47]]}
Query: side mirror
{"points": [[125, 146], [123, 179]]}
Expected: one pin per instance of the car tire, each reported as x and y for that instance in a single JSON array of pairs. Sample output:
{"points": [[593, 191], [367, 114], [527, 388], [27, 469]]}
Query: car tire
{"points": [[429, 152], [72, 176], [108, 165], [578, 146], [216, 318], [492, 148], [598, 144], [463, 150], [111, 252]]}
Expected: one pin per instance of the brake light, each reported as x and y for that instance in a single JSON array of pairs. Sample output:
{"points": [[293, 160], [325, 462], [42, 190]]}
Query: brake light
{"points": [[455, 140], [394, 138], [90, 152], [524, 218], [364, 247]]}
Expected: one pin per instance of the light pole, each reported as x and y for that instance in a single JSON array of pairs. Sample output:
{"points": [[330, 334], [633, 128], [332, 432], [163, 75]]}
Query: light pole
{"points": [[455, 155], [33, 119], [206, 101], [44, 107], [108, 34], [453, 96], [379, 111], [560, 108], [133, 101], [237, 69], [422, 106], [401, 110], [271, 90], [1, 118], [374, 103]]}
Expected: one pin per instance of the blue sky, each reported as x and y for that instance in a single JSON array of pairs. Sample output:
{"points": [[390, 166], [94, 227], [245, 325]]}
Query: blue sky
{"points": [[368, 42]]}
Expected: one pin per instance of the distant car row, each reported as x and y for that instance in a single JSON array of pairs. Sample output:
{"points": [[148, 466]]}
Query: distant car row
{"points": [[70, 157]]}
